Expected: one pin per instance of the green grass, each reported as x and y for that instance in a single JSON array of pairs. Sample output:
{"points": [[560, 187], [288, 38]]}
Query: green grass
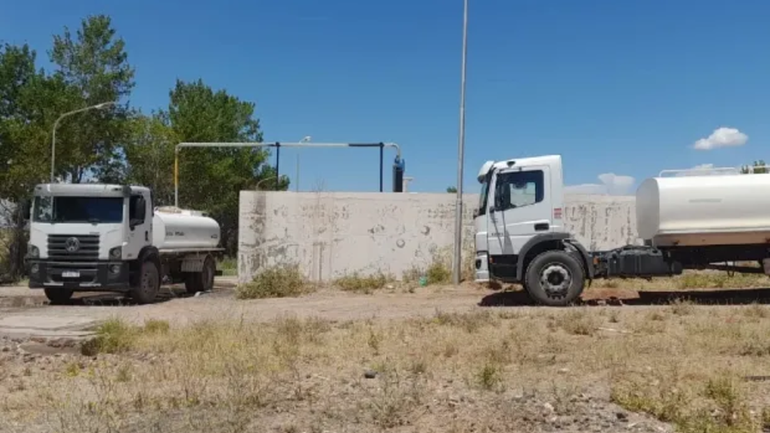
{"points": [[228, 266]]}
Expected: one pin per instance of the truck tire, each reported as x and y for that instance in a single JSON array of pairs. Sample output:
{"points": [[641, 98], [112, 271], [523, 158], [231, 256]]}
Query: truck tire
{"points": [[554, 278], [148, 284], [202, 281], [58, 296]]}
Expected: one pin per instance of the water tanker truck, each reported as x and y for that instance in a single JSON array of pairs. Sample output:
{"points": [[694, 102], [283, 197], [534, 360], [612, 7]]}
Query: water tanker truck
{"points": [[685, 222], [110, 238]]}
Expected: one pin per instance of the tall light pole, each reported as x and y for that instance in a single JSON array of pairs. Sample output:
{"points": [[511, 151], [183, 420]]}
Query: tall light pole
{"points": [[306, 139], [55, 124], [460, 157], [260, 182]]}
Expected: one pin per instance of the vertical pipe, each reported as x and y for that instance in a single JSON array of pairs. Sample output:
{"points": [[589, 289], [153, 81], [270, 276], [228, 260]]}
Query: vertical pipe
{"points": [[382, 146], [277, 164], [460, 156], [176, 177]]}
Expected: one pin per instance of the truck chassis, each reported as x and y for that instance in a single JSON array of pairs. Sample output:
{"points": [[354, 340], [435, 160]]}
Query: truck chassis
{"points": [[553, 267]]}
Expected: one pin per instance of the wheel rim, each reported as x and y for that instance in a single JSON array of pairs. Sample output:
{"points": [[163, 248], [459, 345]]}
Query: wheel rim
{"points": [[555, 279]]}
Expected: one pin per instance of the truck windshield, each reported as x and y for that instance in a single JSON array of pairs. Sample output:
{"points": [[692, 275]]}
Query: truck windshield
{"points": [[78, 210]]}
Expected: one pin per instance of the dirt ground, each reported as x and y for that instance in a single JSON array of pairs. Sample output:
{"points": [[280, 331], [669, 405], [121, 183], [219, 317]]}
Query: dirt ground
{"points": [[432, 359]]}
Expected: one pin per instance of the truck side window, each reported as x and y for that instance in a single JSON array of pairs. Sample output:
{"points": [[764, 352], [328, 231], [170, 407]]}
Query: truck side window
{"points": [[520, 188], [132, 210]]}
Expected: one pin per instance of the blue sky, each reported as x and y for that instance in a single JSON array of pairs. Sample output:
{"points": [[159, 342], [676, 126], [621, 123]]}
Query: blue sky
{"points": [[620, 87]]}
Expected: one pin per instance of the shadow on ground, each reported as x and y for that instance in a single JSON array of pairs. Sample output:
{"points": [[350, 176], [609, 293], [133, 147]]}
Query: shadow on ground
{"points": [[632, 298]]}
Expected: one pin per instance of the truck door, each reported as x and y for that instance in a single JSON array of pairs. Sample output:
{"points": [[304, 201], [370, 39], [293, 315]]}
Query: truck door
{"points": [[519, 209], [139, 225]]}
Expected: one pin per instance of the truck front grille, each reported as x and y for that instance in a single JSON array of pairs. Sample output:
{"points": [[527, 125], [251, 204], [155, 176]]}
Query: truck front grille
{"points": [[73, 247]]}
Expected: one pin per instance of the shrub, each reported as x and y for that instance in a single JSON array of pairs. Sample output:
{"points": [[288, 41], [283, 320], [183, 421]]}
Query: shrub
{"points": [[364, 284], [275, 282]]}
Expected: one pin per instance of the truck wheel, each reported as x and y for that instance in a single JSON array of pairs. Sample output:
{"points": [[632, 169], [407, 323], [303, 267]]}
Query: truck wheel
{"points": [[58, 296], [202, 281], [555, 278], [148, 285]]}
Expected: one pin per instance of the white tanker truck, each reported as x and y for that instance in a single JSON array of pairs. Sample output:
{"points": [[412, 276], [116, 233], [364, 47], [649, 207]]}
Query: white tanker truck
{"points": [[97, 237], [686, 222]]}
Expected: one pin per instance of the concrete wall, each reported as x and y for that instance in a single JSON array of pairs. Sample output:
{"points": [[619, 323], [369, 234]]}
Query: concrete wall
{"points": [[333, 234]]}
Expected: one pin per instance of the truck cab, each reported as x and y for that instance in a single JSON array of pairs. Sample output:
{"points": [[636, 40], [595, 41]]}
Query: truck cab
{"points": [[519, 220], [86, 237]]}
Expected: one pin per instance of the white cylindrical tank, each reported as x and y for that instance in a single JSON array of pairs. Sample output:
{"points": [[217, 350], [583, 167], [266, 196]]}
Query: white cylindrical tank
{"points": [[704, 210], [181, 229]]}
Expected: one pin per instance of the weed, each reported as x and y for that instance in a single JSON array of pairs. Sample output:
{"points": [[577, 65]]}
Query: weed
{"points": [[438, 273], [154, 326], [489, 375], [363, 284], [113, 336], [275, 282]]}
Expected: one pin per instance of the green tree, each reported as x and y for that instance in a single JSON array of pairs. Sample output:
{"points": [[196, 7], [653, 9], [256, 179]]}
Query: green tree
{"points": [[451, 189], [757, 167], [25, 110], [211, 179], [149, 152], [93, 65]]}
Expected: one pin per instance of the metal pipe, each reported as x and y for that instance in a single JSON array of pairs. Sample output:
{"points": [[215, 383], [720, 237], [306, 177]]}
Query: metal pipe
{"points": [[460, 156], [277, 164], [262, 144], [382, 147]]}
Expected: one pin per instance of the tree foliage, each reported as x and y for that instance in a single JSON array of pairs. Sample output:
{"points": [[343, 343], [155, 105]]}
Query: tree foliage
{"points": [[756, 168], [94, 66]]}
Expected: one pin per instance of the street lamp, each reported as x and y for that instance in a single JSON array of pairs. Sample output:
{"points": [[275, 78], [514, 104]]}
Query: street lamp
{"points": [[260, 182], [306, 139], [460, 156], [55, 124]]}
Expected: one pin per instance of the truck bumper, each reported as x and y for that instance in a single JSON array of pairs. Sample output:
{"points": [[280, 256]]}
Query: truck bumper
{"points": [[110, 276], [482, 267]]}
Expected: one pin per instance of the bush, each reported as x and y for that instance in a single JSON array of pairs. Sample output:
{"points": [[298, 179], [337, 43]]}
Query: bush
{"points": [[364, 284], [113, 336], [275, 282]]}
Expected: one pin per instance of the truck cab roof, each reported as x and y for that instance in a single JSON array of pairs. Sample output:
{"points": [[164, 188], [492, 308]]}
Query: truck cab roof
{"points": [[87, 189], [549, 160]]}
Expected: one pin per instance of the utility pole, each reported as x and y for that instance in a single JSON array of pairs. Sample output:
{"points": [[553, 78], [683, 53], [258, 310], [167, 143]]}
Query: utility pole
{"points": [[460, 157]]}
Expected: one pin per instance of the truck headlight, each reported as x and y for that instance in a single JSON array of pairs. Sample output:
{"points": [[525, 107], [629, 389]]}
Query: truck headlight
{"points": [[33, 251], [116, 252]]}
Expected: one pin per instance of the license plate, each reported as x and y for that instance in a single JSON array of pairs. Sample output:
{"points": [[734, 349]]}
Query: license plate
{"points": [[70, 274]]}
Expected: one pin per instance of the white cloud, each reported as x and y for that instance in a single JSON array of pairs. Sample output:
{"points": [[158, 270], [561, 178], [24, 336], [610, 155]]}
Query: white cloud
{"points": [[707, 170], [722, 137], [611, 184]]}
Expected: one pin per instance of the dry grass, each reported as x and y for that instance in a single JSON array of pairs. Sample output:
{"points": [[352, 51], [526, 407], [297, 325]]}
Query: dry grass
{"points": [[689, 280], [682, 363]]}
